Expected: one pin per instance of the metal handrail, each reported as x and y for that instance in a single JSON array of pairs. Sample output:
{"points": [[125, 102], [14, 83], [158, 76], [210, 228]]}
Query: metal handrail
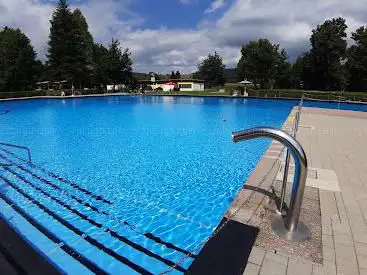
{"points": [[18, 147], [287, 156], [291, 228]]}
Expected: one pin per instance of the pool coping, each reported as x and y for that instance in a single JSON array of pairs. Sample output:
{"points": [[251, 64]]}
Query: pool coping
{"points": [[19, 255], [180, 95], [342, 235]]}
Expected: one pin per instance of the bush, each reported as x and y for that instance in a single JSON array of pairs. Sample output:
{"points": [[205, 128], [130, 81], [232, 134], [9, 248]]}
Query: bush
{"points": [[148, 88], [21, 94], [159, 89], [294, 93]]}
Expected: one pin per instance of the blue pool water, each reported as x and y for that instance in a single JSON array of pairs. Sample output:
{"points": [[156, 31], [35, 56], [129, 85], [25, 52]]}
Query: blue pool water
{"points": [[161, 166]]}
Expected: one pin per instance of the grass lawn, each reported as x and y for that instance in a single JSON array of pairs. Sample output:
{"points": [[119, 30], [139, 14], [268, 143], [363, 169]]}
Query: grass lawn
{"points": [[193, 93]]}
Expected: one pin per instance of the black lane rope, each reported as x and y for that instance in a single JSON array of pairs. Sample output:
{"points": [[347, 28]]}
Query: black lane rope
{"points": [[95, 209], [77, 231], [99, 225], [66, 181], [80, 258], [45, 181]]}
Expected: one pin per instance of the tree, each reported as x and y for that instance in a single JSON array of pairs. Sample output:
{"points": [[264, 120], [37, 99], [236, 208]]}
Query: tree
{"points": [[18, 67], [178, 75], [99, 65], [86, 46], [119, 64], [283, 78], [262, 62], [211, 69], [357, 61], [41, 71], [302, 72], [69, 50], [173, 76], [328, 52]]}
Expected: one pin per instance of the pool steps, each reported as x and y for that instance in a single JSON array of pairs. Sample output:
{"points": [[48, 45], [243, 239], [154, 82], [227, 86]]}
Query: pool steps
{"points": [[87, 204], [53, 175], [92, 231]]}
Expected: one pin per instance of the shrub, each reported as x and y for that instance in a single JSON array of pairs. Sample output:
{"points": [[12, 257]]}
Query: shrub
{"points": [[148, 88]]}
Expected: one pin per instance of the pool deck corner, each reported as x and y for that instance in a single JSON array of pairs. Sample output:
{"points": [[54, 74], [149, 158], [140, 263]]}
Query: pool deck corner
{"points": [[335, 203]]}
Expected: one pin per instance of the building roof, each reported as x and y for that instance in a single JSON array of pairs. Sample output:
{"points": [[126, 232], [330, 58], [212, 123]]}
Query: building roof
{"points": [[163, 81], [52, 82], [245, 82]]}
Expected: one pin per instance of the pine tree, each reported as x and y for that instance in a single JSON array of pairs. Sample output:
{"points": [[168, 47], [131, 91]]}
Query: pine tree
{"points": [[85, 47], [99, 64], [178, 75], [18, 67], [69, 45], [173, 76], [119, 64]]}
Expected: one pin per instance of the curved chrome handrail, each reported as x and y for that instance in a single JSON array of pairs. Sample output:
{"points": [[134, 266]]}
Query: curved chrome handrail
{"points": [[300, 175]]}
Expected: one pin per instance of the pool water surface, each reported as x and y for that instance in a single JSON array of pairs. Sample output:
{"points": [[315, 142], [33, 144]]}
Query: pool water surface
{"points": [[131, 183]]}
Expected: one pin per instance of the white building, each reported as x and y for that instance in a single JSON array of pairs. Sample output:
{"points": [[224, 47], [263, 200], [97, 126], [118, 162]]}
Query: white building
{"points": [[191, 85], [184, 85]]}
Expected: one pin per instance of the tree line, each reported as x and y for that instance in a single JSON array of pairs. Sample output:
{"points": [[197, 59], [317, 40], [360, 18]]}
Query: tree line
{"points": [[72, 55], [329, 65]]}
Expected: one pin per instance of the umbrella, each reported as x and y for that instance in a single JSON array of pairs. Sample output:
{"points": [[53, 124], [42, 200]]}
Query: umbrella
{"points": [[245, 82]]}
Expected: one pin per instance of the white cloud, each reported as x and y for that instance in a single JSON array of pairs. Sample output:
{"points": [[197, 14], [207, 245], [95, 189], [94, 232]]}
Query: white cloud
{"points": [[104, 18], [164, 49], [31, 17], [216, 4]]}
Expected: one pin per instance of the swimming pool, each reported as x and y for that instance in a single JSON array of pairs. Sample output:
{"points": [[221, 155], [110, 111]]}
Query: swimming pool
{"points": [[130, 183]]}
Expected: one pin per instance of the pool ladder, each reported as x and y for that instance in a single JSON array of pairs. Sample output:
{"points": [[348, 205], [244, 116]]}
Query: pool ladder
{"points": [[288, 227]]}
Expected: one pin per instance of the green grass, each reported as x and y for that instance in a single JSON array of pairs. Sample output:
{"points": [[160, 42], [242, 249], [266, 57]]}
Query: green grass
{"points": [[322, 95], [275, 93], [194, 93]]}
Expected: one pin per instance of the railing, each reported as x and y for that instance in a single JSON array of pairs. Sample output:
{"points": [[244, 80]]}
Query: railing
{"points": [[18, 147], [290, 228], [294, 131]]}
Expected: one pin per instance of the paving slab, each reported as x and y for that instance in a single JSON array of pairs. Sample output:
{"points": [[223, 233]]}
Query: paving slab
{"points": [[299, 267], [274, 264], [252, 269], [335, 202]]}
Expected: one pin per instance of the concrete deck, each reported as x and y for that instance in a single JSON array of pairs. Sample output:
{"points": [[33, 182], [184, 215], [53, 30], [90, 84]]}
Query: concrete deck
{"points": [[335, 142]]}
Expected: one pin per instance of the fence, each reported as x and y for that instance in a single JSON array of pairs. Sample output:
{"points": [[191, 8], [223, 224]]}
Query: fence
{"points": [[312, 95], [20, 94]]}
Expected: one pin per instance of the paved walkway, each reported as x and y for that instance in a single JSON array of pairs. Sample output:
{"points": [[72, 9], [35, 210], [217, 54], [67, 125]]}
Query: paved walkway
{"points": [[334, 141]]}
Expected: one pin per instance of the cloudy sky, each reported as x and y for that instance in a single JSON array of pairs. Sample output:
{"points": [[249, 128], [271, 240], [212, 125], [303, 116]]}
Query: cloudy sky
{"points": [[166, 35]]}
